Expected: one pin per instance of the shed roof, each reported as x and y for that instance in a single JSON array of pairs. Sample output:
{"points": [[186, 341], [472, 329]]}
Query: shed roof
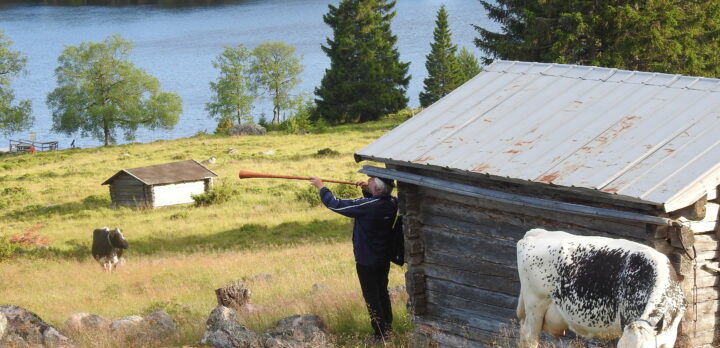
{"points": [[167, 173], [637, 135]]}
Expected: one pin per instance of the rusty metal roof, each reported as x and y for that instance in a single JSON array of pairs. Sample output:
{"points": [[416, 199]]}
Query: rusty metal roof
{"points": [[167, 173], [637, 135]]}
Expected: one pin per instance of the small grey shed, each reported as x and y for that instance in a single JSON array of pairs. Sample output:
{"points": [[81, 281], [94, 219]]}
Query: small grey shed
{"points": [[587, 150], [160, 185]]}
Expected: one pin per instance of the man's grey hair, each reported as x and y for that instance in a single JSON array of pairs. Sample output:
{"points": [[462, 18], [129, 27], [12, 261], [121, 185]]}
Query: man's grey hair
{"points": [[384, 188]]}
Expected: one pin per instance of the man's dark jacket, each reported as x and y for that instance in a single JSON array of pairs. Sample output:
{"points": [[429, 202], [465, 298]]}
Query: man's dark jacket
{"points": [[374, 217]]}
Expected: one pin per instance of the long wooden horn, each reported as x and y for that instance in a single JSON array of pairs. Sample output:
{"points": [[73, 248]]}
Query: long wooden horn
{"points": [[246, 174]]}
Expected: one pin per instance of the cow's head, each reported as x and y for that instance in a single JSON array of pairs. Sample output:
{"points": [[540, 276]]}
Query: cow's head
{"points": [[640, 333], [117, 239]]}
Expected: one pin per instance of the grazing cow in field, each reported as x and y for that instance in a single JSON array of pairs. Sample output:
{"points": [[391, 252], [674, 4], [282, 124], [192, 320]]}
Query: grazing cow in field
{"points": [[597, 287], [107, 247]]}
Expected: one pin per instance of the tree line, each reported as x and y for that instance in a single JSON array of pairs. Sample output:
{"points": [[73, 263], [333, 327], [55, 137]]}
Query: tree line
{"points": [[100, 93]]}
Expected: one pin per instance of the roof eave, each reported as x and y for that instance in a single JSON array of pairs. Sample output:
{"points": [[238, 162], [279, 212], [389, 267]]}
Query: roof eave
{"points": [[108, 181], [583, 190]]}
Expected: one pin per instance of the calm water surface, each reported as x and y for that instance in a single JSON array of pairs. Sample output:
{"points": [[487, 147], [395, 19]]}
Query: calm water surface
{"points": [[177, 46]]}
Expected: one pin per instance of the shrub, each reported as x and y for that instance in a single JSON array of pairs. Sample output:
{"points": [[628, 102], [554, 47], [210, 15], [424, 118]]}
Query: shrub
{"points": [[326, 152], [7, 249], [224, 126], [221, 193], [309, 195], [26, 241], [345, 191]]}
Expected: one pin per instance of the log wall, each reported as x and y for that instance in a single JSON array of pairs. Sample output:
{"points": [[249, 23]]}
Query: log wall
{"points": [[128, 191], [462, 268]]}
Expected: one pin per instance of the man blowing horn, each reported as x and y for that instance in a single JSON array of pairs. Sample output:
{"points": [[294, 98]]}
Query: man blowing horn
{"points": [[374, 215]]}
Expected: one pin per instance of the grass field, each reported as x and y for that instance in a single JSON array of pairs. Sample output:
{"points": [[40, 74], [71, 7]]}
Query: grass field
{"points": [[180, 254]]}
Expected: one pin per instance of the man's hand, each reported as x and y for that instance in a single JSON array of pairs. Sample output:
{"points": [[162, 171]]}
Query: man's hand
{"points": [[363, 185], [317, 182]]}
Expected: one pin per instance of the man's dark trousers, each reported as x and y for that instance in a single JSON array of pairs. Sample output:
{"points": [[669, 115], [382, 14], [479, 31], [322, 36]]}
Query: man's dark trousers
{"points": [[374, 282]]}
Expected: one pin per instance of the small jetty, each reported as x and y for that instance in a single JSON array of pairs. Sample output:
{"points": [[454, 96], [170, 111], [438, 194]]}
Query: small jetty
{"points": [[32, 146]]}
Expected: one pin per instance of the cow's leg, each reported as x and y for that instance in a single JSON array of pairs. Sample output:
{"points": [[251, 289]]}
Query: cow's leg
{"points": [[531, 327]]}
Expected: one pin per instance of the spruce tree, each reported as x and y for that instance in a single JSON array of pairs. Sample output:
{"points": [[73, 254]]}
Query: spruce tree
{"points": [[442, 65], [366, 78], [469, 66], [670, 36]]}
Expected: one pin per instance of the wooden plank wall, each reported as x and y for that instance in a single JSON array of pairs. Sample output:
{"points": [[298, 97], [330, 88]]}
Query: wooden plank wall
{"points": [[462, 268], [128, 191], [462, 273]]}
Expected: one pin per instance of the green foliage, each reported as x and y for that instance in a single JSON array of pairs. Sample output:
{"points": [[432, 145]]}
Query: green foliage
{"points": [[311, 196], [276, 71], [345, 191], [300, 122], [13, 118], [224, 126], [366, 78], [100, 92], [667, 36], [469, 66], [7, 249], [220, 193], [444, 73], [11, 195], [233, 93]]}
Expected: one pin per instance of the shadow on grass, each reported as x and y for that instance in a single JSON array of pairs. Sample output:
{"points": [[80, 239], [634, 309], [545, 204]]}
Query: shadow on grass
{"points": [[91, 203], [247, 236]]}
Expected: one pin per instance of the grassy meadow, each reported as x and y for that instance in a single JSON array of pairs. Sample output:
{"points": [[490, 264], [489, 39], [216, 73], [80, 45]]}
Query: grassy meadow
{"points": [[180, 254]]}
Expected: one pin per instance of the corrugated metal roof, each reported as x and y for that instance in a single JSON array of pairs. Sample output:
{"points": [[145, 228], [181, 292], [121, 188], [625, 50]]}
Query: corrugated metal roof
{"points": [[638, 135], [167, 173]]}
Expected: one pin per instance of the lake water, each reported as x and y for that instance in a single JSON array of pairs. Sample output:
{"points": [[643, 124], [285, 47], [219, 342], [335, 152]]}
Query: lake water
{"points": [[178, 44]]}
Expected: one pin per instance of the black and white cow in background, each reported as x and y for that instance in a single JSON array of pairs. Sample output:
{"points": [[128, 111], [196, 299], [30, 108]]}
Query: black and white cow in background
{"points": [[107, 247], [598, 287]]}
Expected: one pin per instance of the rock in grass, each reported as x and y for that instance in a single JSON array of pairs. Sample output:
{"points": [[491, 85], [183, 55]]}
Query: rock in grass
{"points": [[84, 322], [25, 329], [122, 328], [247, 129], [301, 330], [225, 331], [158, 326]]}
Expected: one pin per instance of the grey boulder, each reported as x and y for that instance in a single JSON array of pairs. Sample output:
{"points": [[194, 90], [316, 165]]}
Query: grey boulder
{"points": [[23, 328], [225, 331]]}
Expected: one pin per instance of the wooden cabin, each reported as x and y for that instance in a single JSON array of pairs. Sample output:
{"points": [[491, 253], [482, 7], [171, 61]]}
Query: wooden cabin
{"points": [[160, 185], [587, 150]]}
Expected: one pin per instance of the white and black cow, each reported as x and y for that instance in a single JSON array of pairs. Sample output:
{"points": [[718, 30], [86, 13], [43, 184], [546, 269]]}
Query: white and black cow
{"points": [[107, 247], [598, 287]]}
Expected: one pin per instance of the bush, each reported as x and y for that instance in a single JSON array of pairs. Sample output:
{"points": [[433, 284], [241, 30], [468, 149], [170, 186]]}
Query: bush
{"points": [[345, 191], [224, 126], [13, 194], [28, 240], [7, 249], [310, 194], [219, 194]]}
